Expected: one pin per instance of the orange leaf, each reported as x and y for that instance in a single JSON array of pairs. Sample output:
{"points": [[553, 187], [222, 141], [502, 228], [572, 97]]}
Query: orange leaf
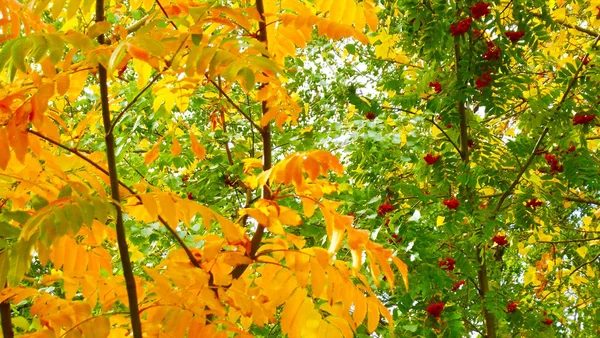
{"points": [[62, 83], [372, 315], [152, 155], [18, 141], [138, 53], [4, 150], [175, 147], [403, 270], [196, 147]]}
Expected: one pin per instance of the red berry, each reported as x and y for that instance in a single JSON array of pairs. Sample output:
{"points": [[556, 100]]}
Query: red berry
{"points": [[435, 309], [500, 240], [511, 307], [430, 159], [436, 86], [461, 27], [514, 36], [533, 203], [447, 264], [480, 9], [451, 204], [384, 209]]}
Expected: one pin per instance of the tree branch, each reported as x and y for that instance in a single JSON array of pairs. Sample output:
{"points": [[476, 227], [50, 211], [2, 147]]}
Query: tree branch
{"points": [[109, 139], [5, 317], [571, 240], [447, 136], [568, 25], [267, 150], [584, 264], [570, 86], [134, 100], [222, 92], [582, 200], [77, 153]]}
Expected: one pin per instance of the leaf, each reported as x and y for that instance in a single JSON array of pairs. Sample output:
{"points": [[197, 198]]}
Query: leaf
{"points": [[168, 209], [4, 149], [247, 76], [152, 155], [97, 327], [20, 258], [197, 149], [175, 147], [582, 251], [403, 268], [291, 308], [372, 315], [149, 202], [8, 231], [4, 265]]}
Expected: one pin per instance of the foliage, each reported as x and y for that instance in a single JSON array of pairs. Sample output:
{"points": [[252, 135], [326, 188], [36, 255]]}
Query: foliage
{"points": [[220, 168]]}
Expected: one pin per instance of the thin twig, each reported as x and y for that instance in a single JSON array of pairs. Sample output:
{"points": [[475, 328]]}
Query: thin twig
{"points": [[166, 15], [447, 136], [568, 25], [134, 100], [584, 264], [235, 105]]}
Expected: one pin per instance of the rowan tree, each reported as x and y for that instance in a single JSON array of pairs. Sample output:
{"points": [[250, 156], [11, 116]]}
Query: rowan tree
{"points": [[270, 168]]}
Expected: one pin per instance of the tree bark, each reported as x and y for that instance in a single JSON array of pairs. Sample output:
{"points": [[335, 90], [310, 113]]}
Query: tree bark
{"points": [[134, 312]]}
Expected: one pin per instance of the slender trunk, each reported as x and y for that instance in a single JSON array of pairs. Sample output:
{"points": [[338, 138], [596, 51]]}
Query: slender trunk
{"points": [[5, 317], [265, 134], [134, 312], [482, 276]]}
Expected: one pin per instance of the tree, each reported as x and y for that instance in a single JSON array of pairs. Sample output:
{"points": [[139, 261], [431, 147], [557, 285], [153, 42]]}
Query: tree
{"points": [[266, 168]]}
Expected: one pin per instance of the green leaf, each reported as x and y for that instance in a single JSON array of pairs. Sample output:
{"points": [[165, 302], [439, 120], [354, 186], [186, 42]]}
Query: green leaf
{"points": [[17, 216], [20, 258], [38, 202], [4, 265], [247, 75], [65, 192], [8, 231]]}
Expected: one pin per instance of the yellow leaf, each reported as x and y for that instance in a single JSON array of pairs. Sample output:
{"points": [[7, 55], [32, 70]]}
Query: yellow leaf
{"points": [[289, 216], [197, 149], [582, 251], [317, 280], [175, 147], [97, 327], [372, 315], [342, 325], [543, 237], [587, 220], [360, 306], [290, 309], [250, 163], [168, 209], [440, 221], [152, 155], [589, 271], [530, 276], [522, 249], [150, 204]]}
